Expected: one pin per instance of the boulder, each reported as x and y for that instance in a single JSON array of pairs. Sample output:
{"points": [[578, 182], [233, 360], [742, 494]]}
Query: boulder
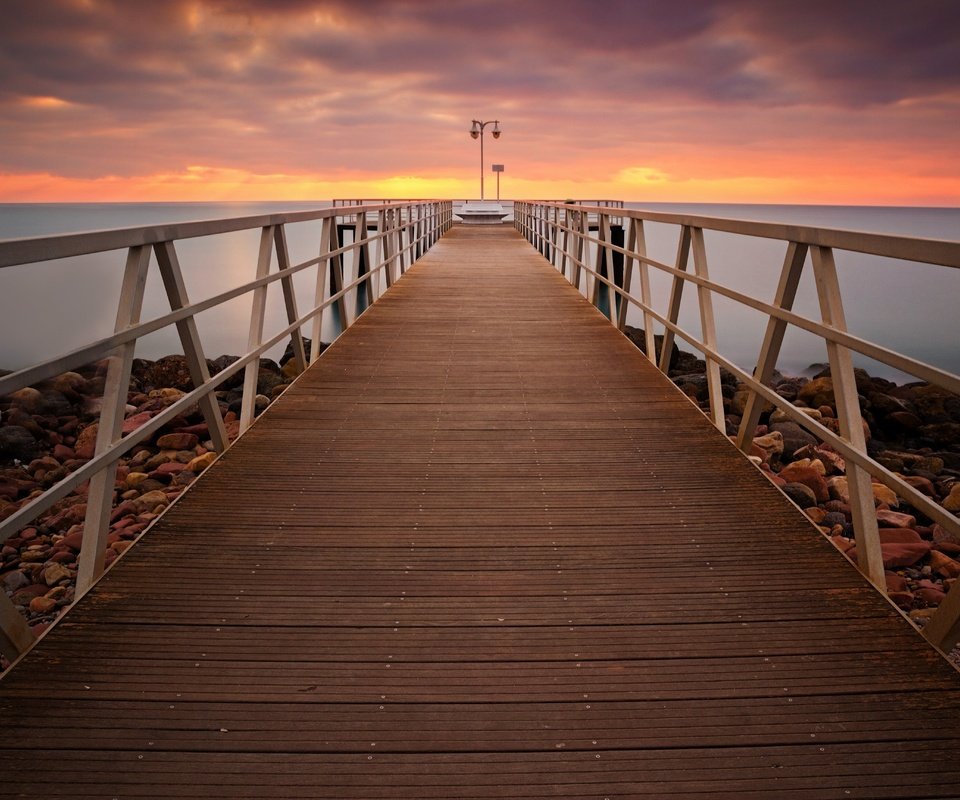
{"points": [[17, 442], [794, 437], [178, 441]]}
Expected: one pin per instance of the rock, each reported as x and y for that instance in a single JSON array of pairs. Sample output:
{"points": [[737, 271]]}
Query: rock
{"points": [[86, 444], [56, 573], [839, 488], [771, 444], [800, 494], [150, 500], [134, 479], [903, 554], [73, 541], [932, 464], [899, 554], [178, 441], [952, 501], [200, 463], [130, 424], [42, 605], [884, 494], [943, 565], [169, 372], [930, 595], [922, 485], [808, 476], [169, 469], [941, 534], [13, 581], [894, 519], [794, 437], [17, 442], [898, 536], [895, 582], [815, 514], [818, 392], [27, 399]]}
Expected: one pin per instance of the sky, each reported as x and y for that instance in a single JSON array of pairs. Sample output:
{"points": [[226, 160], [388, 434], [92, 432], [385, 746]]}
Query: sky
{"points": [[757, 101]]}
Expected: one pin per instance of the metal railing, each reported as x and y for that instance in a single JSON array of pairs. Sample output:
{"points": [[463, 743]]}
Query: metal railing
{"points": [[562, 232], [399, 232]]}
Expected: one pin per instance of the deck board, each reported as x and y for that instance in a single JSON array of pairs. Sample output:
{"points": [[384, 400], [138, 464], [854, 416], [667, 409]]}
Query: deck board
{"points": [[482, 549]]}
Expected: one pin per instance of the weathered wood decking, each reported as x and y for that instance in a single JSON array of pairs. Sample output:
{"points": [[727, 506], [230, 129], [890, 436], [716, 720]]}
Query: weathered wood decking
{"points": [[482, 549]]}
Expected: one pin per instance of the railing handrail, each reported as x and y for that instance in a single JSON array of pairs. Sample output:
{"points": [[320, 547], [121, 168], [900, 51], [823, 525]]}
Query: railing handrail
{"points": [[941, 252], [564, 237], [14, 252], [401, 232]]}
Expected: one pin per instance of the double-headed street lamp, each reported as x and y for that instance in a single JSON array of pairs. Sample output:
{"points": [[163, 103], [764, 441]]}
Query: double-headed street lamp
{"points": [[477, 130]]}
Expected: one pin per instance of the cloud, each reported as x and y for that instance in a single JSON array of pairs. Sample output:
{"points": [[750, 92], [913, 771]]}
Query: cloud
{"points": [[90, 88]]}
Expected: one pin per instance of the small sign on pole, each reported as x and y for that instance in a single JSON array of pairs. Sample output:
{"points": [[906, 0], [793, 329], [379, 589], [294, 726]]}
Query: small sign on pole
{"points": [[498, 168]]}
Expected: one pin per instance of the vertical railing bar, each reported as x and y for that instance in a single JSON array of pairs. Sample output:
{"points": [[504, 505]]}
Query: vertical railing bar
{"points": [[943, 628], [190, 339], [96, 525], [289, 296], [323, 282], [629, 258], [784, 298], [676, 294], [708, 330], [649, 334], [869, 555], [258, 307]]}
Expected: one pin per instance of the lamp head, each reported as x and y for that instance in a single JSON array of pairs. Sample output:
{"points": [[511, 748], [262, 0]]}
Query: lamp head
{"points": [[475, 130], [496, 129]]}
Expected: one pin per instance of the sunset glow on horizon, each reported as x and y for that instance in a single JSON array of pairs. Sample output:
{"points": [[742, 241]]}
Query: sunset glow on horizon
{"points": [[737, 101]]}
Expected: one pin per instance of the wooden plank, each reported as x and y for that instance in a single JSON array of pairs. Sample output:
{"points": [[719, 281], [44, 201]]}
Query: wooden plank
{"points": [[482, 548]]}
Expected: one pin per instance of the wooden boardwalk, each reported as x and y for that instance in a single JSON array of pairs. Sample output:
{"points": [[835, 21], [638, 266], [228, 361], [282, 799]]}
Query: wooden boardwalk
{"points": [[482, 549]]}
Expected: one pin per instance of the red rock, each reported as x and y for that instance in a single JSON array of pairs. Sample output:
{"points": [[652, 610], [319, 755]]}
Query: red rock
{"points": [[170, 468], [941, 534], [922, 485], [63, 557], [895, 582], [952, 501], [809, 477], [86, 443], [199, 430], [930, 595], [898, 536], [894, 519], [900, 554], [815, 514], [131, 423], [950, 548], [42, 605], [944, 565], [178, 441], [842, 543], [904, 600], [63, 453]]}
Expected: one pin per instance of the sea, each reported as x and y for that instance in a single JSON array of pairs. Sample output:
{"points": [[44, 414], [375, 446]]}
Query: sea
{"points": [[50, 308]]}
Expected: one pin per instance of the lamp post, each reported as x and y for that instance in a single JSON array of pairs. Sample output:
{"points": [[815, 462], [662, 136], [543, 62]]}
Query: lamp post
{"points": [[477, 130]]}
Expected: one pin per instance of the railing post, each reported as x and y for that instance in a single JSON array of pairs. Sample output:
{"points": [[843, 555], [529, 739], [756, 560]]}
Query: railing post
{"points": [[15, 634], [772, 340], [638, 244], [251, 372], [676, 294], [361, 255], [943, 629], [289, 296], [96, 525], [708, 328], [323, 281], [869, 556], [565, 255], [580, 247], [190, 339]]}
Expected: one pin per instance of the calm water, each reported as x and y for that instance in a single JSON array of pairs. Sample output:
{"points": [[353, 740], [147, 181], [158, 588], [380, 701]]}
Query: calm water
{"points": [[50, 308]]}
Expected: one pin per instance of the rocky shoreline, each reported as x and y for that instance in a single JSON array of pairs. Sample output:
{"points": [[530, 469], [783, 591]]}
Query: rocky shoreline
{"points": [[911, 429], [49, 430]]}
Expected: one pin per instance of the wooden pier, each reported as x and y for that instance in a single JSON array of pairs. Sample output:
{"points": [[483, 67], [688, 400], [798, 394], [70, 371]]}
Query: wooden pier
{"points": [[482, 549]]}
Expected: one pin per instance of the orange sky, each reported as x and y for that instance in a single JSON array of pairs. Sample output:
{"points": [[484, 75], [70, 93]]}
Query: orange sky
{"points": [[725, 101]]}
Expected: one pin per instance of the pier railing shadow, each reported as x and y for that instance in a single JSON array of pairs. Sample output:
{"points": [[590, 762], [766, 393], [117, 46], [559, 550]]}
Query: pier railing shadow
{"points": [[578, 240], [385, 240]]}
